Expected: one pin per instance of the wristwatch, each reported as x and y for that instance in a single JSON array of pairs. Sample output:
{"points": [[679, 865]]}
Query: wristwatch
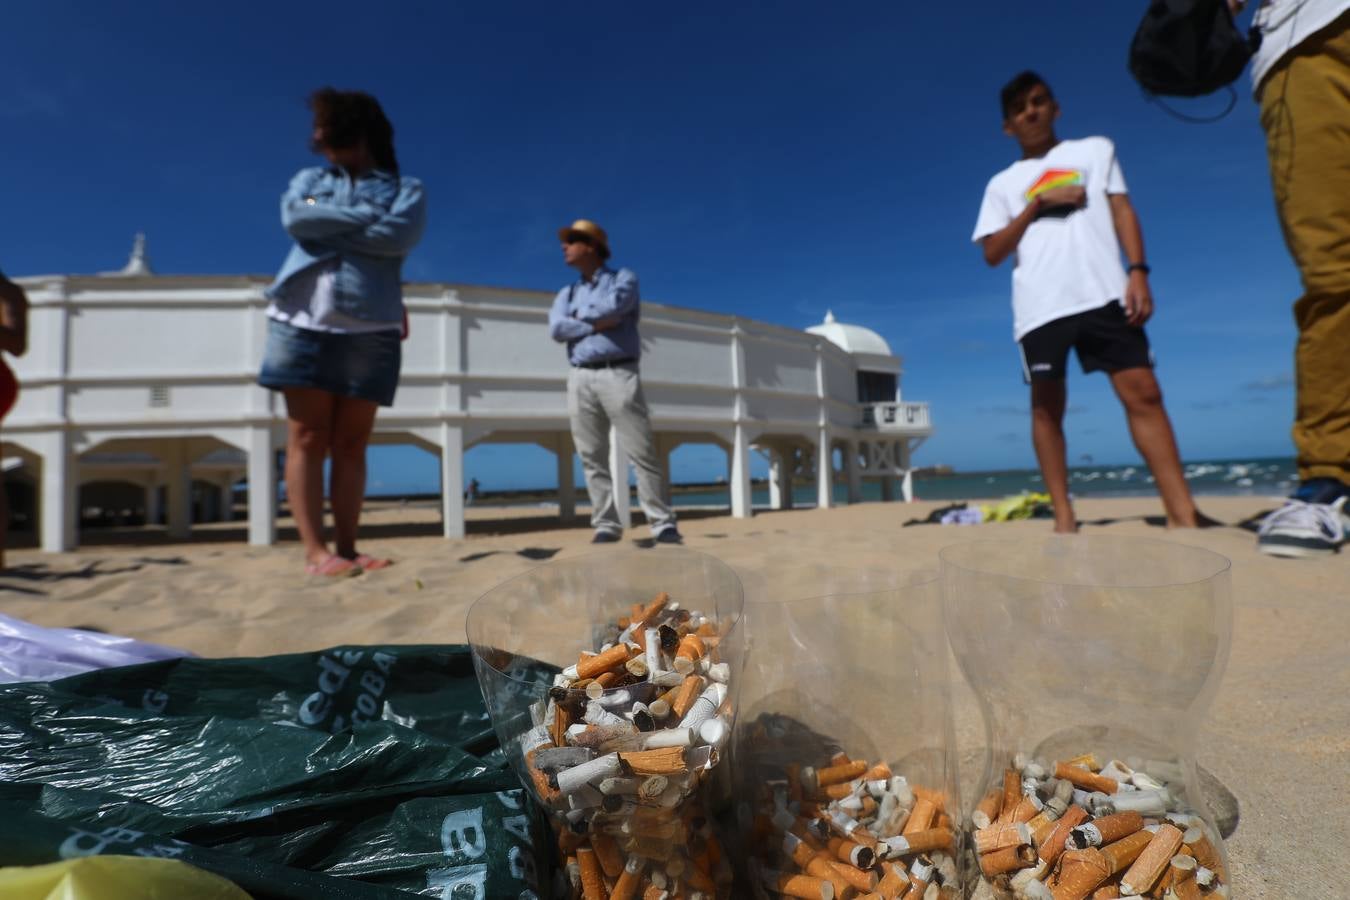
{"points": [[1139, 267]]}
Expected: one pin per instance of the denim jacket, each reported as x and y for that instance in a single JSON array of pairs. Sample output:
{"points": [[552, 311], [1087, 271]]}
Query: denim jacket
{"points": [[368, 225]]}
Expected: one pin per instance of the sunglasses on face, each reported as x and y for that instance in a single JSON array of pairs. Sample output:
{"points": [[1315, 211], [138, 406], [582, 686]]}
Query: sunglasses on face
{"points": [[578, 239]]}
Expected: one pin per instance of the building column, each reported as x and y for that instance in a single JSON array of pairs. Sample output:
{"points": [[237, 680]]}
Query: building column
{"points": [[742, 506], [262, 486], [567, 486], [618, 473], [59, 514], [906, 483], [153, 511], [227, 501], [452, 481], [888, 484], [179, 495], [780, 479], [824, 471], [853, 470]]}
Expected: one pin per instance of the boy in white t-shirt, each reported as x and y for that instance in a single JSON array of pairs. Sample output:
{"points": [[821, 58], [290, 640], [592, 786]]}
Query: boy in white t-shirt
{"points": [[1063, 214]]}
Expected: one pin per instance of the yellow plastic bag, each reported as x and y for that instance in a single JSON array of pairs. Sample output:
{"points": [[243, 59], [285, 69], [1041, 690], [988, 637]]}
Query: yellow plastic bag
{"points": [[115, 878]]}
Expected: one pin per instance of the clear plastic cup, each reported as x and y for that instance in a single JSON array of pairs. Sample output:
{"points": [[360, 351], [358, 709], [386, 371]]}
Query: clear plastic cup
{"points": [[844, 663], [642, 804], [1080, 645]]}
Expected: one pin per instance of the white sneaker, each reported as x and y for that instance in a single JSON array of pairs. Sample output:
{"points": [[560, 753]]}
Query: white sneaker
{"points": [[1301, 529]]}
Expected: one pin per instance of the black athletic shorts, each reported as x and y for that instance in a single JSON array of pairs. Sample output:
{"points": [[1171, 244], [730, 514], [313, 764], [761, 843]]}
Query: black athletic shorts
{"points": [[1104, 340]]}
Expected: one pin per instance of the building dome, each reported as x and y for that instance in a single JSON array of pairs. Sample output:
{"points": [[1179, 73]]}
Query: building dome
{"points": [[851, 338]]}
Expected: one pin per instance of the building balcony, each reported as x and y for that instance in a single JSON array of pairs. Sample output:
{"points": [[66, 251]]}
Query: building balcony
{"points": [[899, 417]]}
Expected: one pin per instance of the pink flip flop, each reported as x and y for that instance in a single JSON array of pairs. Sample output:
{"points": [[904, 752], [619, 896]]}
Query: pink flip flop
{"points": [[333, 567], [371, 563]]}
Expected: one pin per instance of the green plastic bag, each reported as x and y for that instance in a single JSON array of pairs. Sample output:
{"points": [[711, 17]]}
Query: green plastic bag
{"points": [[374, 767]]}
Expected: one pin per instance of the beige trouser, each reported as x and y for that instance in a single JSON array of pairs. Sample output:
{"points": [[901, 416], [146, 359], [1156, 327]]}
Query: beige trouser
{"points": [[596, 399], [1305, 111]]}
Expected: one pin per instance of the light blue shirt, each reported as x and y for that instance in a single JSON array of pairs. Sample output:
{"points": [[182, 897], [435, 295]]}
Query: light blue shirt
{"points": [[579, 305], [367, 226]]}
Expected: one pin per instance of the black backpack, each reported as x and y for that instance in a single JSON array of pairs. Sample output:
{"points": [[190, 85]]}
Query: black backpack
{"points": [[1188, 48]]}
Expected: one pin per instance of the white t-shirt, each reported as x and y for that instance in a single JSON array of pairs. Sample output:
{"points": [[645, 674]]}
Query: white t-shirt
{"points": [[313, 308], [1065, 263], [1285, 24]]}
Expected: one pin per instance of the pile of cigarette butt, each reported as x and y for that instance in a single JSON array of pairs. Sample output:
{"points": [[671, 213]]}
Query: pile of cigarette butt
{"points": [[851, 829], [1079, 830], [619, 749]]}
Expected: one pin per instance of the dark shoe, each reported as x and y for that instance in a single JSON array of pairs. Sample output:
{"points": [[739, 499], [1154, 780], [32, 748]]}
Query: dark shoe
{"points": [[669, 535], [606, 537]]}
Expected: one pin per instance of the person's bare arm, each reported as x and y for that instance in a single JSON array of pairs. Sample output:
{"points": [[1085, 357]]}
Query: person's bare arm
{"points": [[13, 318], [1138, 295], [1000, 245]]}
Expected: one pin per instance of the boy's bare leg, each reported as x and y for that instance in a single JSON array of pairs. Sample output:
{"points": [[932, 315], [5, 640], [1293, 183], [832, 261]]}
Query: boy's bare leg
{"points": [[1048, 399], [1141, 396]]}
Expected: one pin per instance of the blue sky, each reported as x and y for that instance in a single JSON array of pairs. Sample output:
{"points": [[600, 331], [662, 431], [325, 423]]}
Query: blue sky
{"points": [[769, 159]]}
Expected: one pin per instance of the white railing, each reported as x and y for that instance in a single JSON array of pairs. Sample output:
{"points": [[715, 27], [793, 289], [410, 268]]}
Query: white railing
{"points": [[898, 416]]}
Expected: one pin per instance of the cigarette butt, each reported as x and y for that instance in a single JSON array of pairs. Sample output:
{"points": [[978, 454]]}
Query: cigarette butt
{"points": [[879, 771], [987, 810], [592, 881], [1086, 761], [644, 614], [652, 892], [859, 879], [844, 772], [893, 883], [1105, 830], [822, 867], [591, 666], [839, 791], [1080, 873], [851, 852], [920, 842], [1106, 892], [1125, 851], [627, 885], [1182, 870], [1008, 859], [1204, 852], [1012, 792], [1000, 835], [685, 695], [607, 851], [920, 817], [805, 887], [561, 720], [662, 761], [937, 798], [1053, 845], [920, 875], [1152, 862], [1023, 811], [1088, 781], [691, 648]]}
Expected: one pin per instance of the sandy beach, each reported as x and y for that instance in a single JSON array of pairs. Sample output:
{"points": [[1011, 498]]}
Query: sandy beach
{"points": [[1278, 736]]}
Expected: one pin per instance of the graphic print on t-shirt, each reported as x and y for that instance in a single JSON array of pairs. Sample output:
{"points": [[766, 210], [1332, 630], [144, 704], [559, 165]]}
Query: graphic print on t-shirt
{"points": [[1053, 178]]}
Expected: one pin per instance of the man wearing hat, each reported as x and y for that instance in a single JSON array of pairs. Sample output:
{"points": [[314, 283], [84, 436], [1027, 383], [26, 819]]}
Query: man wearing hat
{"points": [[597, 317]]}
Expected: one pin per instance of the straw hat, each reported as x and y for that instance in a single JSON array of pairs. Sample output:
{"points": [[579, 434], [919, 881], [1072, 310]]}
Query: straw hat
{"points": [[589, 230]]}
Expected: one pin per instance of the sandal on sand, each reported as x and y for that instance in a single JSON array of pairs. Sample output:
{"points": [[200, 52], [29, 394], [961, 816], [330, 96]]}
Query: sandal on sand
{"points": [[333, 567], [371, 563]]}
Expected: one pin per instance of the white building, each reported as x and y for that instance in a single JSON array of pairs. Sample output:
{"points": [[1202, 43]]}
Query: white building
{"points": [[142, 378]]}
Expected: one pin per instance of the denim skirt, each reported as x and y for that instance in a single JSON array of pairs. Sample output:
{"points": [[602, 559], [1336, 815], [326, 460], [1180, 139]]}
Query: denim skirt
{"points": [[365, 366]]}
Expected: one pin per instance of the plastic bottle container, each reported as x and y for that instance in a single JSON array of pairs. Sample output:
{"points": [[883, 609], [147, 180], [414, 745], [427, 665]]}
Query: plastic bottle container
{"points": [[620, 776], [845, 732], [1078, 646]]}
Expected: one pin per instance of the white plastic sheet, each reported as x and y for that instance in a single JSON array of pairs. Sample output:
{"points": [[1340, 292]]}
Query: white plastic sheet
{"points": [[30, 652]]}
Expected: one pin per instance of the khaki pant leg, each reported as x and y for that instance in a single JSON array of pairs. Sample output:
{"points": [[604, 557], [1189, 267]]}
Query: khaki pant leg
{"points": [[1305, 111]]}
